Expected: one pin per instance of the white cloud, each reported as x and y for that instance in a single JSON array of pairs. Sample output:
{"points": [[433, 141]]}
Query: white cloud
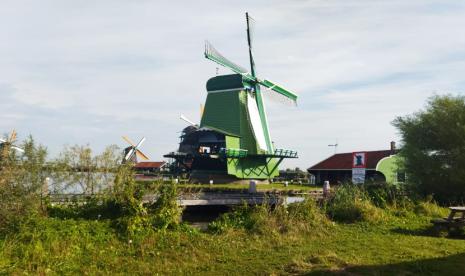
{"points": [[86, 72]]}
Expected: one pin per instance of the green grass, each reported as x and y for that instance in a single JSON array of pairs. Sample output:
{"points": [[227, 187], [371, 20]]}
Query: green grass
{"points": [[399, 244]]}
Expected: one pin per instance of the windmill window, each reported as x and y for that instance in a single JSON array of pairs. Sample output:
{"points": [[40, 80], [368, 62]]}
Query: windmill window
{"points": [[204, 149]]}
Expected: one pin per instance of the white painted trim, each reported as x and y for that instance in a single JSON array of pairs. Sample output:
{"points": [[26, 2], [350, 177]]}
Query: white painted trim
{"points": [[387, 157], [256, 122]]}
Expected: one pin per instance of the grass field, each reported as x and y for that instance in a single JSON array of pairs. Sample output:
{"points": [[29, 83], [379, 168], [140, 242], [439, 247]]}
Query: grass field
{"points": [[400, 244]]}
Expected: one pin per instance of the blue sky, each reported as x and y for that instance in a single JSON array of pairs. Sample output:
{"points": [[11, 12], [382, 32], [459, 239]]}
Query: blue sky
{"points": [[78, 72]]}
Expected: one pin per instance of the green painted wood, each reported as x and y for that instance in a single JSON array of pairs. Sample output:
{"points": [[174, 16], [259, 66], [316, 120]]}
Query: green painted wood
{"points": [[248, 141], [389, 167], [224, 82], [222, 112]]}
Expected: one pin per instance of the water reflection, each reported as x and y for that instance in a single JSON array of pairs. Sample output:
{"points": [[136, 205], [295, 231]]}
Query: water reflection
{"points": [[79, 182]]}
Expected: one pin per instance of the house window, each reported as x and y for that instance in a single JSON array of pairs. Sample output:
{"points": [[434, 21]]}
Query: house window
{"points": [[400, 176]]}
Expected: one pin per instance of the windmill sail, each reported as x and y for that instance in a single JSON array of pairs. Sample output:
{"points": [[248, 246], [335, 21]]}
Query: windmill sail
{"points": [[250, 24], [141, 155], [277, 93], [212, 54], [276, 89], [255, 121]]}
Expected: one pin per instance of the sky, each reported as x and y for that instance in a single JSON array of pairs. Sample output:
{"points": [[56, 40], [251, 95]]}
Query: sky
{"points": [[88, 72]]}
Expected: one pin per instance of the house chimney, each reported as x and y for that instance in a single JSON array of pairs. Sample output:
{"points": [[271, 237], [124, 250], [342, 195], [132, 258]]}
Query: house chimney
{"points": [[393, 147]]}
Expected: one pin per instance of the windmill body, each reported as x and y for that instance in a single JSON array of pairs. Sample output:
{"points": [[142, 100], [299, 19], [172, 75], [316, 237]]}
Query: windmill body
{"points": [[230, 109], [233, 140]]}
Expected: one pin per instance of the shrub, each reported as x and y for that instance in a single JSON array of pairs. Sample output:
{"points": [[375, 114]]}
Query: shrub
{"points": [[166, 212], [123, 203], [306, 215], [263, 219], [383, 194], [242, 217], [21, 180], [352, 203]]}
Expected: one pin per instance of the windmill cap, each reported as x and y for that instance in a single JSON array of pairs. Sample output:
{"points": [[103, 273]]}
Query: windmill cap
{"points": [[224, 82]]}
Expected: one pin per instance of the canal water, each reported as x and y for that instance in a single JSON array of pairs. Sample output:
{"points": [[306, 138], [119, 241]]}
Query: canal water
{"points": [[200, 216]]}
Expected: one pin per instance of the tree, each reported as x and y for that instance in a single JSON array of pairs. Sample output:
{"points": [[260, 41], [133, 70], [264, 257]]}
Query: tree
{"points": [[21, 179], [434, 148], [78, 171]]}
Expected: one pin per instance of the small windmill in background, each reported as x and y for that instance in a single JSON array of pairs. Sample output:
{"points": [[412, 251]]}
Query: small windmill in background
{"points": [[133, 152], [335, 146], [8, 143]]}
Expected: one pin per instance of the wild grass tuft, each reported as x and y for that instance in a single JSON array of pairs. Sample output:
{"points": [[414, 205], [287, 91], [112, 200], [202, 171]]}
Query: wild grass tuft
{"points": [[429, 208], [352, 203], [264, 219]]}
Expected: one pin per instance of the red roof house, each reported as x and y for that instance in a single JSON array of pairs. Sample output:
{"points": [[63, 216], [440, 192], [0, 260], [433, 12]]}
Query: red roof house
{"points": [[150, 167], [338, 167]]}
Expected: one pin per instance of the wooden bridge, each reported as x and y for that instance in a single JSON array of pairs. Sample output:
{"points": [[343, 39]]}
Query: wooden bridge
{"points": [[206, 198]]}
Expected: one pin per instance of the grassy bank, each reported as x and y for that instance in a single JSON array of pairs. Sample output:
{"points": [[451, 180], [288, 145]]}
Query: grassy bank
{"points": [[249, 242]]}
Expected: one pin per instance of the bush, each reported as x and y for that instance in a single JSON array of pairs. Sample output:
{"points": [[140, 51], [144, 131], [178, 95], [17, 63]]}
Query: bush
{"points": [[352, 203], [166, 212], [243, 217], [386, 195], [21, 180], [263, 219], [124, 205], [306, 215]]}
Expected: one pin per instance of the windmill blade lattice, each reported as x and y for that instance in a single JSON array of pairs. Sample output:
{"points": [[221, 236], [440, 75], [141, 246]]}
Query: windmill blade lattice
{"points": [[277, 92], [212, 54]]}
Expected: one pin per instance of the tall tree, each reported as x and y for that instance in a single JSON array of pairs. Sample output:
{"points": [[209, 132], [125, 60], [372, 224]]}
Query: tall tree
{"points": [[434, 148]]}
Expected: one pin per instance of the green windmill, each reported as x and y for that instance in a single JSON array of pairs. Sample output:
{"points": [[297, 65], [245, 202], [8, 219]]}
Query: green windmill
{"points": [[235, 108]]}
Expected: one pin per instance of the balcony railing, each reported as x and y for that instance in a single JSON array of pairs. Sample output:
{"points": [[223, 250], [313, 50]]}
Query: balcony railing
{"points": [[285, 153], [233, 153]]}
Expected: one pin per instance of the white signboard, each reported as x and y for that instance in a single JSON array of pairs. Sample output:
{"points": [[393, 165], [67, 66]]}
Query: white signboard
{"points": [[358, 175]]}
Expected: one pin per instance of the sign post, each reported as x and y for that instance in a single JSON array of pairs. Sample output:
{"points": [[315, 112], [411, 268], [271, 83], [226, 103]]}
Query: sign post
{"points": [[358, 167]]}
